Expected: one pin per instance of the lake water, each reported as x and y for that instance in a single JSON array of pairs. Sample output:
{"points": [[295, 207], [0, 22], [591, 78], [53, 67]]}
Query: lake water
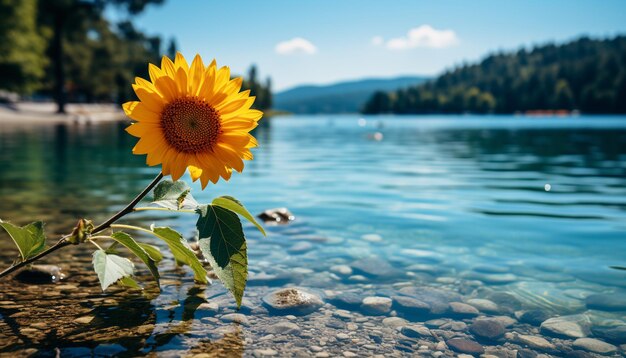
{"points": [[529, 213]]}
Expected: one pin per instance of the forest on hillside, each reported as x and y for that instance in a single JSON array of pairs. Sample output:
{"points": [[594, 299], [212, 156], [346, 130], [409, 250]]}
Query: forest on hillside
{"points": [[69, 51], [587, 75]]}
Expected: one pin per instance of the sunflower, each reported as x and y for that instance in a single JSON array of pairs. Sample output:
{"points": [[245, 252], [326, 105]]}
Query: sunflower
{"points": [[193, 117]]}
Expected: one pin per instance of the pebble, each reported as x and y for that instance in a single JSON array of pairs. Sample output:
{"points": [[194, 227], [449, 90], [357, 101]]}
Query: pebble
{"points": [[534, 317], [615, 334], [209, 306], [342, 336], [343, 314], [394, 322], [465, 346], [343, 270], [235, 318], [292, 301], [376, 305], [410, 306], [348, 300], [531, 341], [284, 327], [349, 354], [487, 329], [484, 305], [607, 302], [415, 331], [463, 309], [574, 326], [84, 319], [373, 267], [264, 352], [595, 345]]}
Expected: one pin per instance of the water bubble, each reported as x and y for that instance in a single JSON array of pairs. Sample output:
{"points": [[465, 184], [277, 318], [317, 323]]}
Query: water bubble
{"points": [[547, 187], [362, 122], [378, 136]]}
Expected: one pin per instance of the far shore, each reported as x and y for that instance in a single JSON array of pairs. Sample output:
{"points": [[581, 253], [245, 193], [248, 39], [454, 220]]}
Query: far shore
{"points": [[45, 112]]}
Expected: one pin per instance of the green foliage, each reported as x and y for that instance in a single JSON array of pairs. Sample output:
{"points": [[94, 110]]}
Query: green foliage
{"points": [[263, 93], [110, 268], [235, 274], [223, 243], [22, 47], [30, 239], [172, 195], [153, 251], [586, 75], [234, 205], [130, 243], [181, 251]]}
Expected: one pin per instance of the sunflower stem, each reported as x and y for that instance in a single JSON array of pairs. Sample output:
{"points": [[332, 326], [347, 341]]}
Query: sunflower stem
{"points": [[64, 241]]}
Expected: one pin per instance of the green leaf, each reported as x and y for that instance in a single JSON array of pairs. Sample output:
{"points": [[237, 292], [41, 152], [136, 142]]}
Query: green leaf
{"points": [[235, 275], [130, 243], [223, 243], [110, 268], [173, 195], [128, 282], [181, 251], [234, 205], [153, 251], [29, 239]]}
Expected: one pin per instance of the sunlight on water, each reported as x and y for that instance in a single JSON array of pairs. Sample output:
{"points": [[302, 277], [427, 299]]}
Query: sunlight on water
{"points": [[478, 206]]}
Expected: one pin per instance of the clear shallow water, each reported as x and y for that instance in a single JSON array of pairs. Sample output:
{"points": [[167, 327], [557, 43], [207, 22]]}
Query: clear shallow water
{"points": [[451, 202]]}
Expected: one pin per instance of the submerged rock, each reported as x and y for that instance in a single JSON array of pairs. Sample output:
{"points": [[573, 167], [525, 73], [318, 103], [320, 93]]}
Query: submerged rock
{"points": [[284, 327], [292, 301], [348, 300], [595, 345], [374, 267], [484, 305], [39, 274], [487, 329], [415, 331], [410, 306], [534, 342], [465, 346], [437, 299], [615, 334], [534, 317], [574, 326], [279, 216], [463, 309], [376, 305], [607, 302]]}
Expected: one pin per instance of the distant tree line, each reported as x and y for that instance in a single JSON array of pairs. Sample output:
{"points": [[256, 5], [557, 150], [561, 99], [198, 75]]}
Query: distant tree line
{"points": [[263, 92], [69, 51], [587, 75]]}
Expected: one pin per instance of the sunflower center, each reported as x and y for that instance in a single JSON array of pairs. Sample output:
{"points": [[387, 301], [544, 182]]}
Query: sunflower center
{"points": [[190, 125]]}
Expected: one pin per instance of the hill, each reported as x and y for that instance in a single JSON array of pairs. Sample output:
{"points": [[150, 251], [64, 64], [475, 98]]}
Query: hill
{"points": [[587, 75], [343, 97]]}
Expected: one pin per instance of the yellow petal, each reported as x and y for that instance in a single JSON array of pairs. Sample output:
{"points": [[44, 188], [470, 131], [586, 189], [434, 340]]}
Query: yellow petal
{"points": [[180, 62], [228, 156], [140, 112], [252, 114], [155, 72], [195, 172], [146, 84], [148, 144], [167, 87], [167, 66], [141, 128], [152, 100], [181, 81], [179, 166], [196, 75]]}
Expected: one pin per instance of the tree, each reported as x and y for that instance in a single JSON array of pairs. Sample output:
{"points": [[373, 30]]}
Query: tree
{"points": [[67, 19], [22, 46]]}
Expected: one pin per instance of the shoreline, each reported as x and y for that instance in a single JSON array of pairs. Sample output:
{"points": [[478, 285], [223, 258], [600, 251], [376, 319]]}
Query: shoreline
{"points": [[45, 113]]}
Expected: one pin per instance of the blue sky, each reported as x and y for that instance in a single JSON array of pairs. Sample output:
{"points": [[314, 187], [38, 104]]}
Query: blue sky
{"points": [[323, 41]]}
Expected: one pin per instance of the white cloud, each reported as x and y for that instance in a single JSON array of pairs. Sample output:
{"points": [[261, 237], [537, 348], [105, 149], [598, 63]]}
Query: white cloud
{"points": [[424, 36], [297, 45], [377, 40]]}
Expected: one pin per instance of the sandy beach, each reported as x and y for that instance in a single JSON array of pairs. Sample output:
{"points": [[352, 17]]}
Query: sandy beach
{"points": [[45, 112]]}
